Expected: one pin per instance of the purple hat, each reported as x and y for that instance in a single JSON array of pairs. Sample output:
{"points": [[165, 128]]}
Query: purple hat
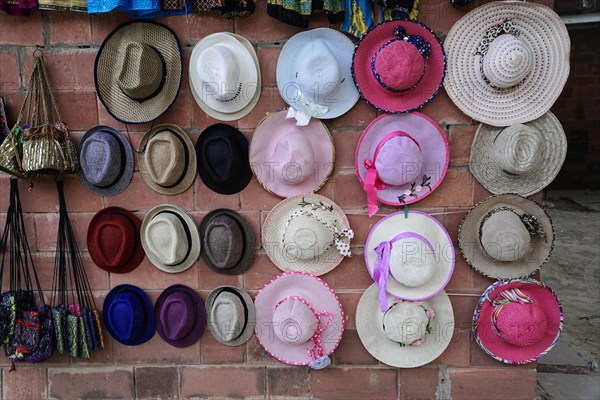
{"points": [[180, 316]]}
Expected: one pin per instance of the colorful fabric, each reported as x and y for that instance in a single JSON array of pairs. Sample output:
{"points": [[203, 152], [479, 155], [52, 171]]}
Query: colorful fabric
{"points": [[45, 347], [17, 7], [57, 317], [298, 12], [140, 8], [236, 8], [63, 5], [359, 14]]}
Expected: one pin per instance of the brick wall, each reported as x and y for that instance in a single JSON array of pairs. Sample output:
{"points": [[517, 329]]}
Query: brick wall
{"points": [[208, 368]]}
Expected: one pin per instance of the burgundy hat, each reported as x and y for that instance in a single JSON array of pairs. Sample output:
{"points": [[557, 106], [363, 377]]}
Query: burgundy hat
{"points": [[113, 240], [180, 316], [399, 66]]}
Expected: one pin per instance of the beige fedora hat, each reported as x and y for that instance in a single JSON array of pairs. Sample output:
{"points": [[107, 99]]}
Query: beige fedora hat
{"points": [[506, 236], [231, 316]]}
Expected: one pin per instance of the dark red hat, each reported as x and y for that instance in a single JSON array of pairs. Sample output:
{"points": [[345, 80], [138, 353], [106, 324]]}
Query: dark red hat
{"points": [[113, 240]]}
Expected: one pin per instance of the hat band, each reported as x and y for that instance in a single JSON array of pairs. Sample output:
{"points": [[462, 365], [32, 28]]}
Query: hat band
{"points": [[228, 290], [188, 235], [161, 84], [531, 223], [429, 312], [507, 296], [136, 240], [304, 109], [381, 271], [123, 161]]}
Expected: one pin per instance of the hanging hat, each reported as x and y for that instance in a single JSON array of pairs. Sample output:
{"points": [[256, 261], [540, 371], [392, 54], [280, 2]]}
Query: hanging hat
{"points": [[225, 76], [517, 321], [407, 334], [106, 161], [299, 319], [400, 159], [228, 245], [231, 315], [180, 316], [410, 258], [138, 71], [522, 158], [506, 236], [287, 159], [113, 240], [223, 164], [399, 66], [508, 62], [313, 74], [167, 159], [128, 316], [170, 238], [307, 233]]}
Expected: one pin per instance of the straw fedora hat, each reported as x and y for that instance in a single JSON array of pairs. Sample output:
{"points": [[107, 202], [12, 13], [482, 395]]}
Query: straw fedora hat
{"points": [[127, 314], [231, 315], [407, 334], [517, 321], [225, 76], [506, 236], [167, 159], [508, 62], [313, 74], [138, 71], [307, 233], [522, 158]]}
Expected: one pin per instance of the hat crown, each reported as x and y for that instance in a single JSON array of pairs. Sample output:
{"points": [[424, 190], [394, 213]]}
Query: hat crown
{"points": [[142, 71], [398, 65], [521, 324], [126, 316], [224, 242], [306, 237], [504, 237], [294, 322], [508, 61], [228, 316], [115, 240], [405, 322], [399, 160], [520, 149], [177, 316], [411, 262], [318, 71], [167, 238], [163, 156], [100, 159], [294, 158], [219, 69]]}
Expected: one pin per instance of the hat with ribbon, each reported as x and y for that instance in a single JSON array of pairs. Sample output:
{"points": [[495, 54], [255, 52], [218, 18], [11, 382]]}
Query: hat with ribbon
{"points": [[407, 334], [399, 65], [287, 159], [299, 319], [400, 159], [138, 71], [167, 159], [521, 158], [170, 238], [231, 315], [225, 76], [409, 256], [180, 316], [506, 236], [508, 62], [113, 240], [313, 75], [517, 321], [106, 161], [307, 233], [128, 316]]}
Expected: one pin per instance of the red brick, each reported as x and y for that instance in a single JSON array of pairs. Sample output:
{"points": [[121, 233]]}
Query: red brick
{"points": [[349, 303], [180, 112], [203, 24], [443, 111], [257, 356], [201, 120], [480, 281], [269, 101], [288, 382], [347, 191], [352, 272], [463, 307], [352, 352], [207, 200], [452, 192], [210, 279], [91, 384], [156, 351], [479, 192], [418, 383], [460, 141], [506, 383], [439, 15], [345, 146], [457, 353], [361, 224], [147, 276], [355, 383], [25, 383], [254, 219], [461, 277], [255, 197], [156, 383], [267, 58], [259, 26], [207, 382], [214, 352], [21, 30], [179, 25], [46, 227], [10, 79], [260, 272], [453, 220], [105, 23], [69, 28], [360, 115], [43, 196], [69, 70]]}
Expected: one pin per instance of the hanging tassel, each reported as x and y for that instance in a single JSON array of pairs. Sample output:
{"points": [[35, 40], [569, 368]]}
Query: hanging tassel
{"points": [[99, 327]]}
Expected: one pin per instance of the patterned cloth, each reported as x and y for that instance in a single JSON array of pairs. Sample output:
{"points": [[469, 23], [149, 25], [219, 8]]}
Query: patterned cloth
{"points": [[63, 5], [359, 14], [141, 8], [298, 12], [17, 7]]}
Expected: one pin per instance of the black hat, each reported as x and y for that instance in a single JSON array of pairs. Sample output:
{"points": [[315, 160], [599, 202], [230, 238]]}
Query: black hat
{"points": [[223, 164]]}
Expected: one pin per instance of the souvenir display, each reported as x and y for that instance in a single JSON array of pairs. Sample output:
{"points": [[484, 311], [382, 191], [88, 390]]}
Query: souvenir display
{"points": [[128, 315], [231, 316], [140, 8]]}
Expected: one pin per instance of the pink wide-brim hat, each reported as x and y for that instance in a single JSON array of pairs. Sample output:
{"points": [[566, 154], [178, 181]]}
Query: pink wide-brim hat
{"points": [[483, 327], [433, 145], [318, 294], [291, 178], [378, 96]]}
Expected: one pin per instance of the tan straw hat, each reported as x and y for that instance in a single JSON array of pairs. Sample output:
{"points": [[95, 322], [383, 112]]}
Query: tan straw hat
{"points": [[506, 236], [230, 314], [508, 62], [138, 71], [522, 158]]}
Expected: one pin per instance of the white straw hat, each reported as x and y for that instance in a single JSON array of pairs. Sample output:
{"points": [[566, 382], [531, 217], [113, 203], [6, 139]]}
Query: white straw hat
{"points": [[230, 315], [508, 62]]}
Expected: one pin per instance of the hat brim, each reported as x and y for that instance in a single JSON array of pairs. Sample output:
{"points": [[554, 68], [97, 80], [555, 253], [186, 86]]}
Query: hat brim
{"points": [[483, 331], [430, 228], [118, 105], [198, 329], [372, 91], [536, 256], [274, 228], [249, 248], [125, 178], [341, 47], [542, 29], [497, 181], [191, 165], [149, 329], [318, 294], [265, 138], [434, 148], [250, 318], [369, 326], [195, 244]]}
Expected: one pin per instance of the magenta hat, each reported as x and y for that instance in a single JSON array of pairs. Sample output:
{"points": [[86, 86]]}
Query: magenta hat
{"points": [[399, 66], [400, 159], [517, 321], [299, 319], [287, 159]]}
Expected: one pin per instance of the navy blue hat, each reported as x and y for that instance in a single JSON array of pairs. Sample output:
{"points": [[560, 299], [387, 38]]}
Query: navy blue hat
{"points": [[128, 315]]}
